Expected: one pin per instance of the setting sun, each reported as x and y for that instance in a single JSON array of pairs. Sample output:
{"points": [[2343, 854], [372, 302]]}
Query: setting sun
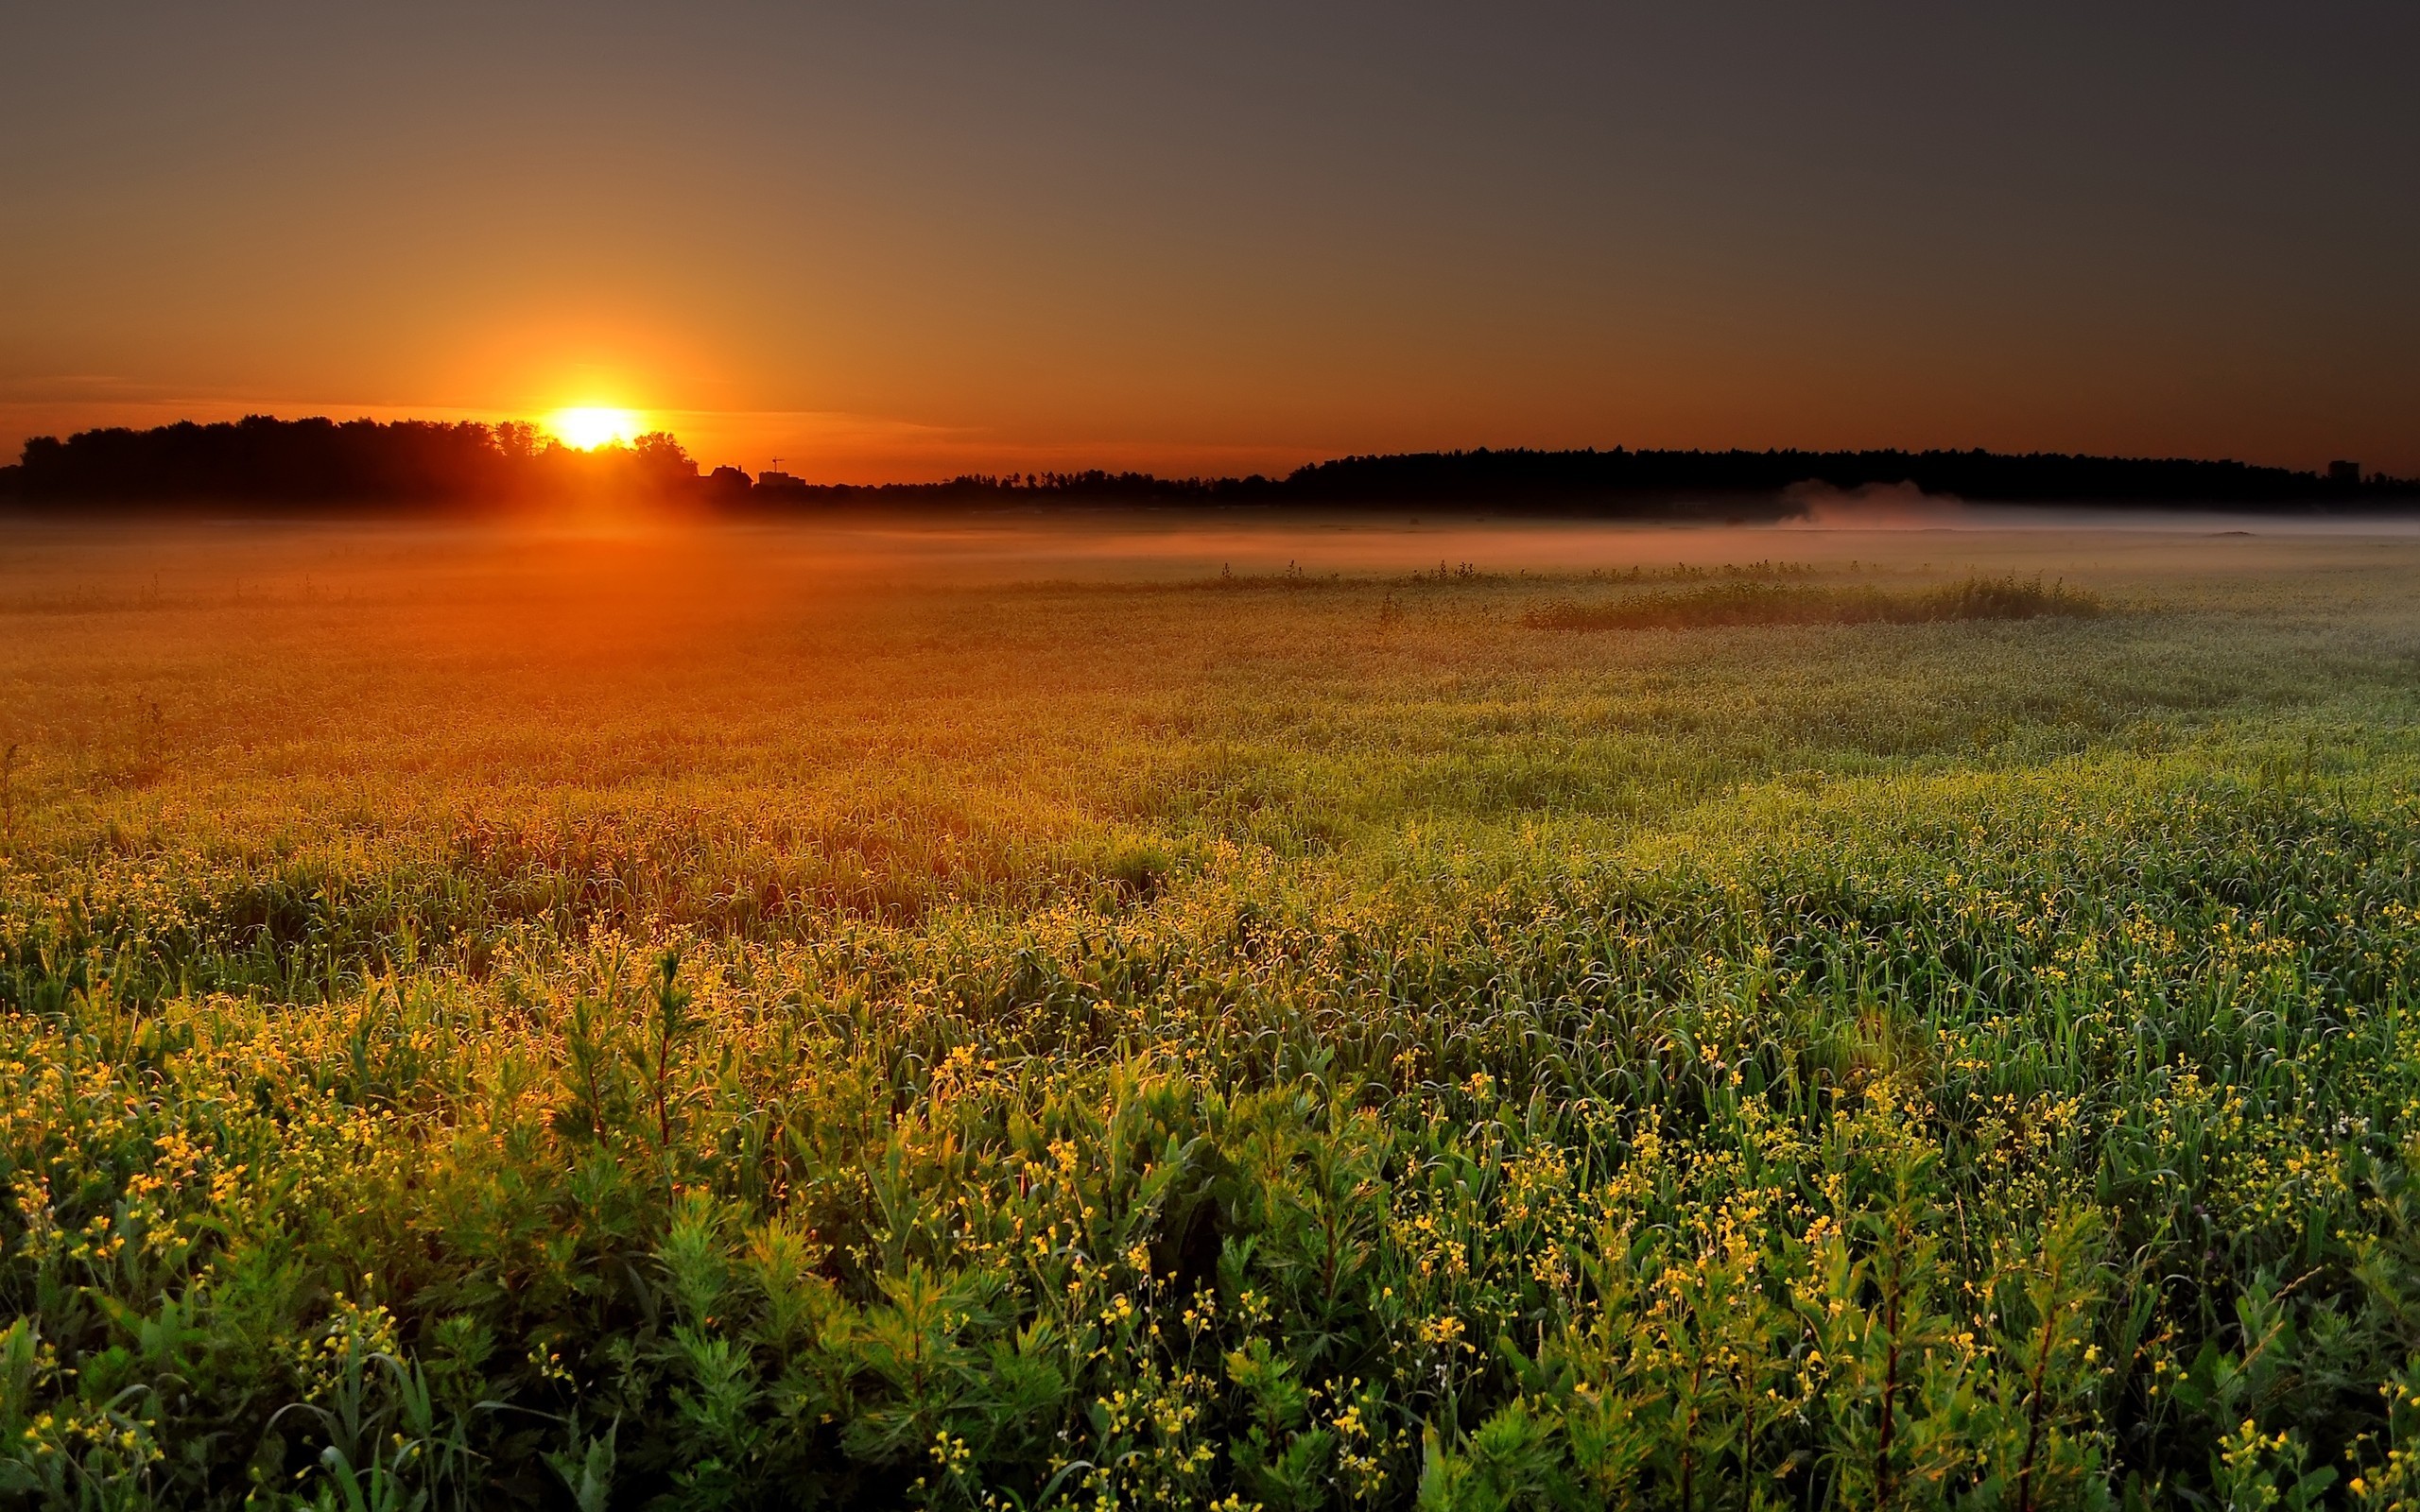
{"points": [[1494, 756], [589, 426]]}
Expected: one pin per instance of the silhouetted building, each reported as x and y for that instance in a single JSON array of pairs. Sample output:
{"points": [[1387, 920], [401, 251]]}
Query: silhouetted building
{"points": [[2343, 471]]}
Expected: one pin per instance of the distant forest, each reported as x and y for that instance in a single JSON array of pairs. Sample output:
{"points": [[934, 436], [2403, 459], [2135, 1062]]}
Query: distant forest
{"points": [[313, 465], [262, 462]]}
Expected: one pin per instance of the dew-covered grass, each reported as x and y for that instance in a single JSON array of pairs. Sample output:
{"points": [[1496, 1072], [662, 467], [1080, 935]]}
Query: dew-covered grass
{"points": [[1752, 600], [716, 1020]]}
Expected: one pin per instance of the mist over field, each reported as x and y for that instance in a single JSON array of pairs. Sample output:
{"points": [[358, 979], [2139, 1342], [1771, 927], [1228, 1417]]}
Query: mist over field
{"points": [[1165, 1006], [1101, 758], [1888, 528]]}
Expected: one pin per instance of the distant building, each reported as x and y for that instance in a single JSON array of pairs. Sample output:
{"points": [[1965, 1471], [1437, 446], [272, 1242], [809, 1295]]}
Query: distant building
{"points": [[769, 479], [2343, 471]]}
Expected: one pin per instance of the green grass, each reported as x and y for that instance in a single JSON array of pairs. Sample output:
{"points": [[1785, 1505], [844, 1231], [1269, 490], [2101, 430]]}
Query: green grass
{"points": [[1750, 601], [684, 1021]]}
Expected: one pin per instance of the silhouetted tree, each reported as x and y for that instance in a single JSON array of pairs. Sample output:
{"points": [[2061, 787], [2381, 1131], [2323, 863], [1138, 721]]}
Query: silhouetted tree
{"points": [[261, 462]]}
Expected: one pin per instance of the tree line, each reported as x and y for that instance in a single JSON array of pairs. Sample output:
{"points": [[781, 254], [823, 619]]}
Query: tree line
{"points": [[2036, 477], [266, 462], [260, 462]]}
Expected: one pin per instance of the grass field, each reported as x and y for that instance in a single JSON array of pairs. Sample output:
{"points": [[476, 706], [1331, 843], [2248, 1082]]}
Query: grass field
{"points": [[1146, 1012]]}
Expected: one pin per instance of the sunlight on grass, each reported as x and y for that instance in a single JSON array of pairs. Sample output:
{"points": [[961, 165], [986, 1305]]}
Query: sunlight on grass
{"points": [[675, 1021], [1754, 602]]}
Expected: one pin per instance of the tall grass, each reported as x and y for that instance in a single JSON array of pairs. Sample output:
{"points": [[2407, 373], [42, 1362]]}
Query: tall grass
{"points": [[1360, 1080], [1755, 602]]}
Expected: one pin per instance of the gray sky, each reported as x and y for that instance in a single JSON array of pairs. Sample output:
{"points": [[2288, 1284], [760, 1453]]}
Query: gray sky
{"points": [[907, 240]]}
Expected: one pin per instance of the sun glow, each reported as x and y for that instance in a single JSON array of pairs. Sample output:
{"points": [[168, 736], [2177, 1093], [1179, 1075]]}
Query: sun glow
{"points": [[589, 426]]}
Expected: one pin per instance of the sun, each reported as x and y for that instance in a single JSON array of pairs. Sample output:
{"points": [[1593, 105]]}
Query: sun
{"points": [[589, 426]]}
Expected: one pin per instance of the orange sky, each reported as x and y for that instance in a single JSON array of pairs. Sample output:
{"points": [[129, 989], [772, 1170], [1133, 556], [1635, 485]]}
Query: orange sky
{"points": [[930, 240]]}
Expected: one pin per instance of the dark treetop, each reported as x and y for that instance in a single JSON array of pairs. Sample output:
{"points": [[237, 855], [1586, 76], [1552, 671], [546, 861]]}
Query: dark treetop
{"points": [[261, 463]]}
